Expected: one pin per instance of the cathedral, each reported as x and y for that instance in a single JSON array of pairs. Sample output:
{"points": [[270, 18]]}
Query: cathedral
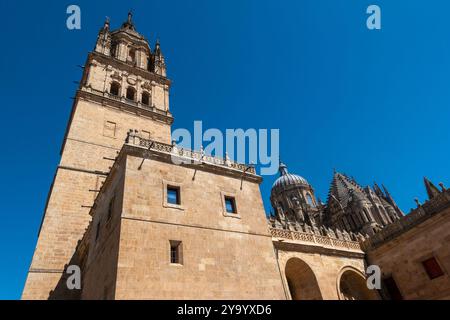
{"points": [[139, 226], [350, 207]]}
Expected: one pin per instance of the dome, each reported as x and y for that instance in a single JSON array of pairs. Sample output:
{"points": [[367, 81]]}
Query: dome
{"points": [[287, 179]]}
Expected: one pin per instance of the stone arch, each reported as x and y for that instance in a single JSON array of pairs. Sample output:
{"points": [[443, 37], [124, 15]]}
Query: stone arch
{"points": [[309, 199], [131, 93], [301, 280], [114, 88], [145, 98], [351, 285]]}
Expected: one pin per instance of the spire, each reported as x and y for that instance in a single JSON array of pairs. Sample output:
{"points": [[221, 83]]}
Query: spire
{"points": [[283, 169], [432, 190], [129, 23], [158, 48], [106, 24], [377, 189], [388, 195], [342, 188], [158, 59], [103, 43]]}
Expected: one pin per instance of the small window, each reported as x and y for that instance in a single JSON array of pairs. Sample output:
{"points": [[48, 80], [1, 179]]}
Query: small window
{"points": [[115, 88], [109, 130], [97, 232], [173, 195], [113, 49], [230, 205], [145, 98], [175, 252], [432, 268], [145, 134], [131, 93]]}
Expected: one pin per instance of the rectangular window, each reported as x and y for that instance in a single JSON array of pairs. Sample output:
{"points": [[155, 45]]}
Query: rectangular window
{"points": [[109, 130], [432, 268], [145, 134], [175, 252], [230, 204], [173, 195]]}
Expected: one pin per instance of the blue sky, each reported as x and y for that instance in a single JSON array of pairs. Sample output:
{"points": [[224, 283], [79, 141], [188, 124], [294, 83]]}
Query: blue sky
{"points": [[372, 104]]}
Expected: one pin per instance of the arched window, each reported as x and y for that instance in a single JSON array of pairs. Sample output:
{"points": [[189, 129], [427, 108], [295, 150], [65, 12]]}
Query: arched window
{"points": [[145, 99], [131, 93], [113, 50], [132, 55], [115, 88], [309, 200]]}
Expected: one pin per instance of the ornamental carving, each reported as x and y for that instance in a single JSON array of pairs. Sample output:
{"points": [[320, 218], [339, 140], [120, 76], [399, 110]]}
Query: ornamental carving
{"points": [[116, 76]]}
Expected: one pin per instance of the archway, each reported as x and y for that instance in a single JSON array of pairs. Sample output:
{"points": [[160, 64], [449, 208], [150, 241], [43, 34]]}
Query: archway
{"points": [[301, 280], [352, 286]]}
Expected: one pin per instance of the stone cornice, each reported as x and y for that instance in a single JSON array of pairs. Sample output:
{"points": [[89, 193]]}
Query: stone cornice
{"points": [[107, 100]]}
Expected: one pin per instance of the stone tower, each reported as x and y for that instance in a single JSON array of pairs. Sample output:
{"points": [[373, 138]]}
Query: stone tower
{"points": [[123, 86]]}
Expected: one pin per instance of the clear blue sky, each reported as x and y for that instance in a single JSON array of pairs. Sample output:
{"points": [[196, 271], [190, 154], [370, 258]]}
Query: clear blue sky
{"points": [[372, 104]]}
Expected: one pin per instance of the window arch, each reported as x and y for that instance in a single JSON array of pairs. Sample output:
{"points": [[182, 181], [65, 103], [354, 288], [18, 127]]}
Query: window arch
{"points": [[145, 98], [115, 88], [131, 93], [132, 54], [114, 50], [309, 199]]}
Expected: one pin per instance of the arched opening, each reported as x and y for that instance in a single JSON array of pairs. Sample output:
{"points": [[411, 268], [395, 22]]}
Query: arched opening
{"points": [[131, 93], [131, 55], [115, 89], [352, 286], [301, 280], [145, 99], [309, 200], [114, 50]]}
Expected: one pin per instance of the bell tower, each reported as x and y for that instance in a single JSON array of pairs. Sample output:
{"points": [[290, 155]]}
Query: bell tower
{"points": [[123, 87]]}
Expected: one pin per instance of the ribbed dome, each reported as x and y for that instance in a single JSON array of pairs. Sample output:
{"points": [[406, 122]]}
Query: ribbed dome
{"points": [[287, 179]]}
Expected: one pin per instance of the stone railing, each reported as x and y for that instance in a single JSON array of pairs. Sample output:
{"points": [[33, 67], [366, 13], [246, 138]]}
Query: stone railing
{"points": [[415, 217], [183, 155], [315, 239]]}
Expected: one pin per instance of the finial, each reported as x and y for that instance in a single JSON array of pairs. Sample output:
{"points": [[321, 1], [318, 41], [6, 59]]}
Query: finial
{"points": [[130, 15], [106, 24], [417, 202], [283, 169], [442, 186]]}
